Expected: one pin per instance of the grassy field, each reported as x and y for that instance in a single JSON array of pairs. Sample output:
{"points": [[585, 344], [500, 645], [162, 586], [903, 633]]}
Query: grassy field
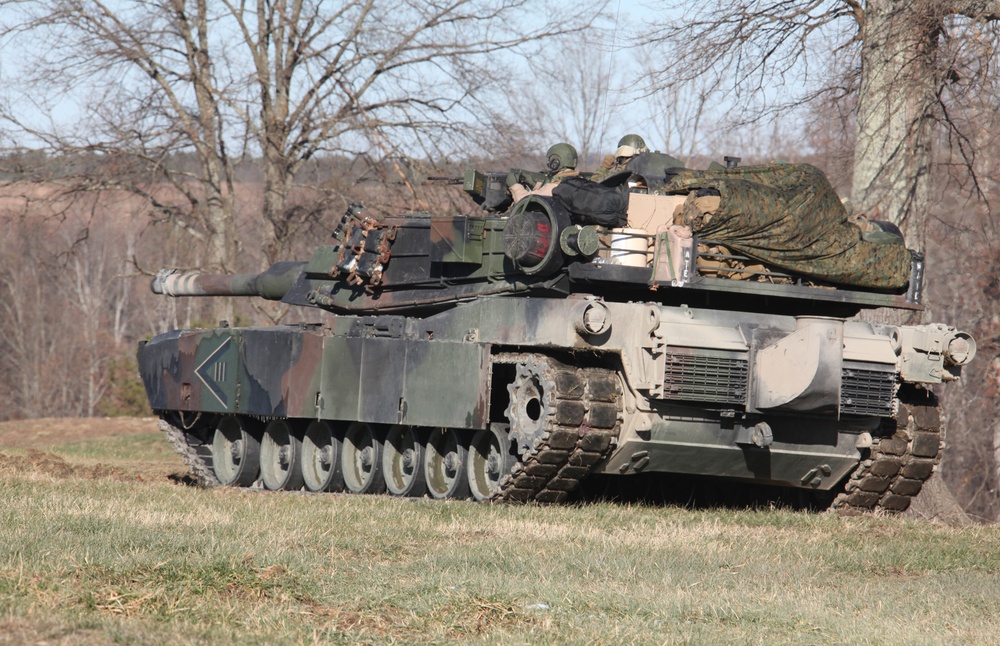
{"points": [[98, 545]]}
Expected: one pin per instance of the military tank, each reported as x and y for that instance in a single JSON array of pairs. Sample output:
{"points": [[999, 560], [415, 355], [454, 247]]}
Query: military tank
{"points": [[708, 328]]}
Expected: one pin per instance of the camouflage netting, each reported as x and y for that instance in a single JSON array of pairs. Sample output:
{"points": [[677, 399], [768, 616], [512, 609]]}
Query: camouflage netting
{"points": [[789, 216]]}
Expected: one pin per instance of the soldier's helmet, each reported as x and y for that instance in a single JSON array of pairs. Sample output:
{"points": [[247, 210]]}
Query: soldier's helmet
{"points": [[630, 146], [561, 156]]}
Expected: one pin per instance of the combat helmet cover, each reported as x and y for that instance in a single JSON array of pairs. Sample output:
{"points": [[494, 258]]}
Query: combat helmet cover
{"points": [[631, 145]]}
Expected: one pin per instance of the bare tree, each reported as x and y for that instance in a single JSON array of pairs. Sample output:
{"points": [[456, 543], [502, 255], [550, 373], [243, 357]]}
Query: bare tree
{"points": [[98, 293], [683, 115], [902, 61], [572, 97], [279, 80], [40, 353]]}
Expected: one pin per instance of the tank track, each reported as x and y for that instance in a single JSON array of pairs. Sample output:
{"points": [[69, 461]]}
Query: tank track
{"points": [[197, 457], [583, 417], [582, 421], [900, 461]]}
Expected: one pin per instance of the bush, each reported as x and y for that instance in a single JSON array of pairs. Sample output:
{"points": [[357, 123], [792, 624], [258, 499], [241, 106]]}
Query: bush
{"points": [[125, 396]]}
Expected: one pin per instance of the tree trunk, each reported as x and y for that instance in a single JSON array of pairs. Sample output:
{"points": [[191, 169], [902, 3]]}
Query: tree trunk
{"points": [[276, 189], [899, 82], [894, 124], [894, 154], [936, 502]]}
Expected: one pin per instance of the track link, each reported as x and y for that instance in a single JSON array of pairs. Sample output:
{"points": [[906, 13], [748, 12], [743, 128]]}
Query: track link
{"points": [[196, 455], [900, 461], [581, 411]]}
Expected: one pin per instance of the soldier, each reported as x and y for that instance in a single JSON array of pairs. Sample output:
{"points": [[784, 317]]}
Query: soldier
{"points": [[628, 147], [562, 160]]}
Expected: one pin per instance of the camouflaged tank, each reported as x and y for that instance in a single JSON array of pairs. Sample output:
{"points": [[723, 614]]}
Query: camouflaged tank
{"points": [[510, 353]]}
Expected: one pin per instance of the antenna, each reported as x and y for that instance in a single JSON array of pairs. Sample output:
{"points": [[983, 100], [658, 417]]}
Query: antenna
{"points": [[611, 58]]}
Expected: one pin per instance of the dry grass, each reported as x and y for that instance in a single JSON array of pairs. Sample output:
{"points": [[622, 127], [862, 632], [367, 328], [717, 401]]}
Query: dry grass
{"points": [[89, 558]]}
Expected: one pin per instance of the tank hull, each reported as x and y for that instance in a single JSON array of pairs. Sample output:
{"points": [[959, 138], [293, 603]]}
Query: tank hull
{"points": [[782, 400]]}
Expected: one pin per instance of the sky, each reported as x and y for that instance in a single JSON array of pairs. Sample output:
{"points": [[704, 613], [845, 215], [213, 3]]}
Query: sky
{"points": [[624, 109]]}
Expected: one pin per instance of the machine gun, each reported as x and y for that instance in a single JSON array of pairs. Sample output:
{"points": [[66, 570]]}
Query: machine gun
{"points": [[489, 189]]}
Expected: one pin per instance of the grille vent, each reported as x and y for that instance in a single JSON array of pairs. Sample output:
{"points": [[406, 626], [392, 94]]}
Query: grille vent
{"points": [[706, 378], [865, 390]]}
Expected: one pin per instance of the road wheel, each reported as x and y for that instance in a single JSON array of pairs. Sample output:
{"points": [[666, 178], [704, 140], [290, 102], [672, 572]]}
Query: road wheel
{"points": [[444, 465], [403, 462], [321, 452], [361, 459], [490, 459], [235, 453], [280, 463]]}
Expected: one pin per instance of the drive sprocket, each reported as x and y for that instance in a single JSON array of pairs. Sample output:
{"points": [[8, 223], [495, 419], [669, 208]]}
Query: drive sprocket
{"points": [[564, 419]]}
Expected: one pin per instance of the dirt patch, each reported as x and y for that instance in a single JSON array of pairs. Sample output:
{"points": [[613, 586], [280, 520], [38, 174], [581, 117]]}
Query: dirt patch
{"points": [[31, 447], [383, 621], [49, 464], [48, 432], [22, 631]]}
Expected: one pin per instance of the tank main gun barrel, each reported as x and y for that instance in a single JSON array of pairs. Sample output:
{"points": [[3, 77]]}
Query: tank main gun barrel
{"points": [[271, 284]]}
